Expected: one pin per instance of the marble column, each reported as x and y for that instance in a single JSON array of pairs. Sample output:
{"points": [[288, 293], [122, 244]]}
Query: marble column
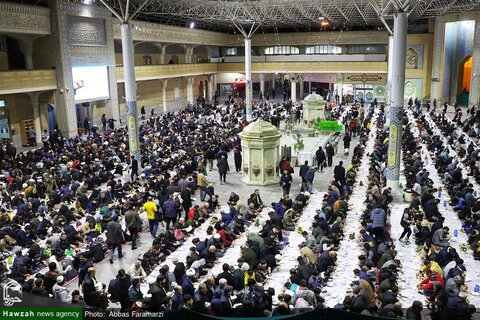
{"points": [[162, 54], [25, 43], [339, 85], [190, 82], [301, 89], [293, 90], [34, 99], [248, 79], [211, 88], [189, 54], [262, 83], [164, 94], [388, 91], [396, 110], [130, 90]]}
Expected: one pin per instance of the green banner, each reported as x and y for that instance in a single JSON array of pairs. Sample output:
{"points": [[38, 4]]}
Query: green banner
{"points": [[328, 126], [41, 313]]}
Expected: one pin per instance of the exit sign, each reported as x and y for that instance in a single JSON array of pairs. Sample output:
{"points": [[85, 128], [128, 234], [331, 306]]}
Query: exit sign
{"points": [[2, 103]]}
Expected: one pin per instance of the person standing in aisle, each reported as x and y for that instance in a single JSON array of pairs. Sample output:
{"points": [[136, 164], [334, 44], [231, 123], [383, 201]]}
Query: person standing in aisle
{"points": [[142, 112], [346, 144], [223, 168], [335, 140], [32, 137], [309, 176], [320, 157], [286, 182], [407, 220], [132, 222], [210, 156], [151, 208], [303, 170], [104, 122], [45, 139], [114, 238], [86, 126], [237, 158], [339, 173], [330, 152], [202, 185], [134, 164]]}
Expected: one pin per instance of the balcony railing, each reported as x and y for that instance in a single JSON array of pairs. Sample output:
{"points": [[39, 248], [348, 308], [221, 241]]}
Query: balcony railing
{"points": [[20, 81], [166, 71]]}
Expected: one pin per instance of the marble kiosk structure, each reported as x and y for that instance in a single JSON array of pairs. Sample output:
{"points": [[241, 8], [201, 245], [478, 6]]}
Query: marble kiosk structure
{"points": [[260, 153]]}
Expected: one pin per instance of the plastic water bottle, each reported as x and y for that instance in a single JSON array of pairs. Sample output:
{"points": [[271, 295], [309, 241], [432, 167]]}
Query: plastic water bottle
{"points": [[439, 194], [10, 260], [477, 288], [444, 203], [455, 233]]}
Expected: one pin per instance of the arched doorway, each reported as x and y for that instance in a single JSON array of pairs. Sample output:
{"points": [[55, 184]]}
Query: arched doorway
{"points": [[464, 80]]}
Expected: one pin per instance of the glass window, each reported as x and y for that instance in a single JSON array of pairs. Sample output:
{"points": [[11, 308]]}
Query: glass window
{"points": [[323, 49], [281, 50], [366, 49], [231, 52]]}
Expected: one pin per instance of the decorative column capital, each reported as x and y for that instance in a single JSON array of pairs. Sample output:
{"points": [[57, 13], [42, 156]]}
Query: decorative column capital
{"points": [[190, 80]]}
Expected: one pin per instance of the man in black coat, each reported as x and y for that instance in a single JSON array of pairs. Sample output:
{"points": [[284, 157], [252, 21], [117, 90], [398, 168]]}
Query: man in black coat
{"points": [[346, 142], [85, 264], [209, 255], [132, 221], [320, 157], [114, 237], [159, 295], [339, 173], [187, 199], [199, 299], [237, 158], [95, 252], [210, 156], [226, 274], [286, 182], [88, 287], [330, 152], [325, 260], [134, 164], [303, 169], [223, 168]]}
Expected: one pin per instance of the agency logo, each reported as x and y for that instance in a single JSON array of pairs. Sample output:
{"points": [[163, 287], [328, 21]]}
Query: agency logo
{"points": [[12, 293]]}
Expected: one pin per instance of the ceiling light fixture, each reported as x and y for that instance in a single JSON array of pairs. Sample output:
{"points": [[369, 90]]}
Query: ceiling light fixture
{"points": [[321, 18], [192, 25]]}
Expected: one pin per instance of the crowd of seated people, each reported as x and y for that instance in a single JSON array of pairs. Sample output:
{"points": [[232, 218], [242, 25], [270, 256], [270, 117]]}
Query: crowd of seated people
{"points": [[442, 272], [64, 206]]}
